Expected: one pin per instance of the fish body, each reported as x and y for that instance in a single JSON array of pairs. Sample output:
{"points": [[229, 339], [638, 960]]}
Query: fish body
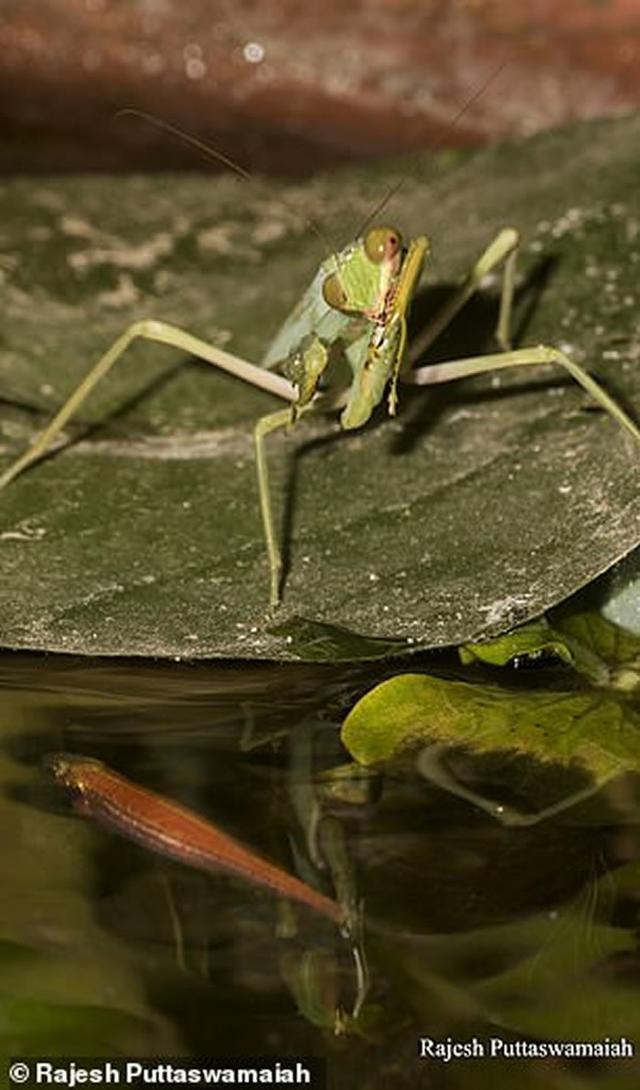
{"points": [[173, 830]]}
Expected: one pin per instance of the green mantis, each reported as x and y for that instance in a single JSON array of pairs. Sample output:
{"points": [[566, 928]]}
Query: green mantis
{"points": [[345, 346]]}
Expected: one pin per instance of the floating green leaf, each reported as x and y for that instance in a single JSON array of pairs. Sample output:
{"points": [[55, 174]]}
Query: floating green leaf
{"points": [[530, 640], [603, 652], [596, 731]]}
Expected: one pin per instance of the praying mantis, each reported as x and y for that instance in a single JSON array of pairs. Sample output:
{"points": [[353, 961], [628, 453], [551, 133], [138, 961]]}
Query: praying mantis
{"points": [[344, 347]]}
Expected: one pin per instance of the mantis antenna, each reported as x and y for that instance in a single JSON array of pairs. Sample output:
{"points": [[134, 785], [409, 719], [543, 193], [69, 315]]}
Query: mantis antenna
{"points": [[218, 156], [187, 138], [473, 97]]}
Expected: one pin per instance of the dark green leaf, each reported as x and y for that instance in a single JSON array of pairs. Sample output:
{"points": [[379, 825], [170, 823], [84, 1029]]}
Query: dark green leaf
{"points": [[482, 505]]}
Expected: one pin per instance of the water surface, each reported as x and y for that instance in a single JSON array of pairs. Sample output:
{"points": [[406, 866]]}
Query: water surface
{"points": [[472, 930]]}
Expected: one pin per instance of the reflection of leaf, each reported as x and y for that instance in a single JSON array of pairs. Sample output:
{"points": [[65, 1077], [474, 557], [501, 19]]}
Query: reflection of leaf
{"points": [[65, 983], [28, 1028], [480, 507], [499, 973]]}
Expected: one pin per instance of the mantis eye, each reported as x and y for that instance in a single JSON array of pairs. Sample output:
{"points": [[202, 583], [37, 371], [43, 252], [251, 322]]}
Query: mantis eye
{"points": [[382, 244], [333, 292]]}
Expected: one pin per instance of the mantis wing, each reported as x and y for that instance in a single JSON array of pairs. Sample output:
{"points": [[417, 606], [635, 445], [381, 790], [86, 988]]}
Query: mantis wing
{"points": [[310, 316]]}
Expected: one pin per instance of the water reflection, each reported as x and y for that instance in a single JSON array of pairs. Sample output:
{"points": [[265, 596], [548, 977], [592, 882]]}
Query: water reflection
{"points": [[472, 929]]}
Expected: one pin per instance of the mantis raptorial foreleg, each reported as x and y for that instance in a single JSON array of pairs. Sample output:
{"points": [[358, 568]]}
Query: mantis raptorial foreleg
{"points": [[150, 330], [523, 357], [503, 248]]}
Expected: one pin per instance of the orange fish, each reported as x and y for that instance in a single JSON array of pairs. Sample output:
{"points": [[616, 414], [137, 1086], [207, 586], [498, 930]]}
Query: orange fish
{"points": [[173, 830]]}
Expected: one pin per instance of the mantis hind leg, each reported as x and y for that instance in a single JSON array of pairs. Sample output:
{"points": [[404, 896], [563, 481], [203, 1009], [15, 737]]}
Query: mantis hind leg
{"points": [[524, 357], [150, 330], [502, 250]]}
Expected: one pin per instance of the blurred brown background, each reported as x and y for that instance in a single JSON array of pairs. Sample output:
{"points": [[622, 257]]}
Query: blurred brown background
{"points": [[290, 86]]}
